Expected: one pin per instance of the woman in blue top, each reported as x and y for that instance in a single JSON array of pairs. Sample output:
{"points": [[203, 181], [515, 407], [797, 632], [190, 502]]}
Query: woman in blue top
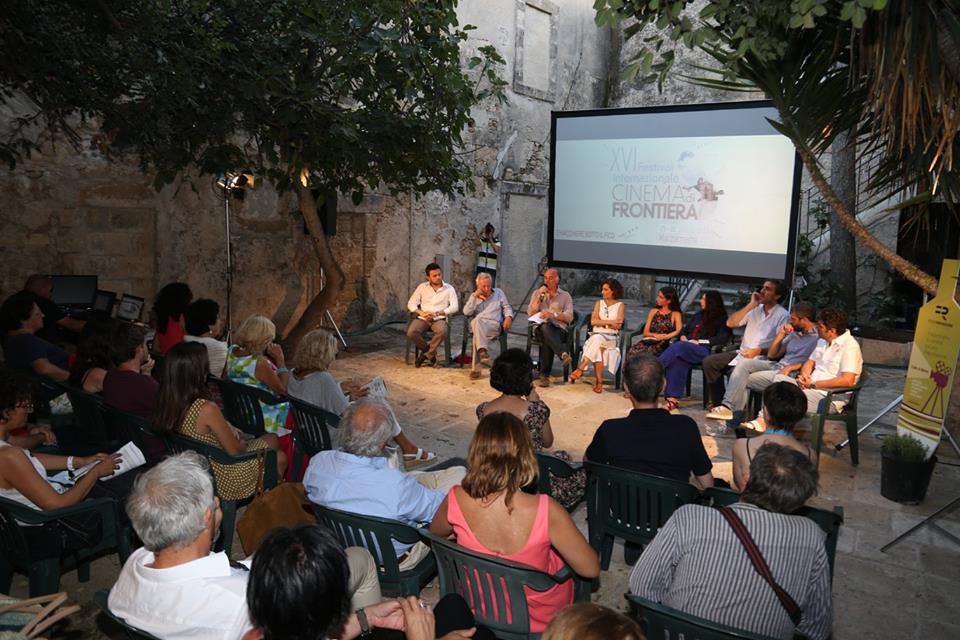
{"points": [[256, 360]]}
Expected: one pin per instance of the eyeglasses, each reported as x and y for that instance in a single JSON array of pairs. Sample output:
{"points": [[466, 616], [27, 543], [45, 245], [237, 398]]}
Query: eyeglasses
{"points": [[28, 405]]}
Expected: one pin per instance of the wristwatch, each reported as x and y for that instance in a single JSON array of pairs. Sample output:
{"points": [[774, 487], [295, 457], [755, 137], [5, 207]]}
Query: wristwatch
{"points": [[366, 631]]}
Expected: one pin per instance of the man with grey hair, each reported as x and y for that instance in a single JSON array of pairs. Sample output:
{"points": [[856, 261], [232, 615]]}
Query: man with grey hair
{"points": [[698, 562], [491, 312], [358, 478], [174, 586], [551, 309]]}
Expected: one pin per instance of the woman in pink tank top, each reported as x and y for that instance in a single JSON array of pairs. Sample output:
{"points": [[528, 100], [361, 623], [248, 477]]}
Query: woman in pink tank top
{"points": [[489, 514]]}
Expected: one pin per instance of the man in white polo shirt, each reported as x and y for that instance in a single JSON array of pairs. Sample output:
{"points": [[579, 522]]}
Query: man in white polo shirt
{"points": [[433, 302], [835, 363], [763, 316]]}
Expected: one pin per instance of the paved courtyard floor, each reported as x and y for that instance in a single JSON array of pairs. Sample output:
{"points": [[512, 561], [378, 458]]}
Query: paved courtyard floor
{"points": [[910, 592]]}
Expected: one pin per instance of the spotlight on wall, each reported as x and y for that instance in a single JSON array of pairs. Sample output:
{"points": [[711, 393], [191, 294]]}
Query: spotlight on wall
{"points": [[235, 183]]}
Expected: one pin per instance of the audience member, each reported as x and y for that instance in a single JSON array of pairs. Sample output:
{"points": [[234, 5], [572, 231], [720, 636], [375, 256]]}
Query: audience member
{"points": [[256, 360], [789, 350], [762, 316], [93, 355], [664, 323], [128, 386], [168, 309], [184, 407], [451, 619], [602, 347], [20, 319], [591, 621], [16, 389], [492, 314], [202, 323], [512, 376], [698, 564], [707, 329], [433, 302], [554, 306], [784, 405], [357, 478], [311, 382], [55, 321], [488, 513], [174, 586]]}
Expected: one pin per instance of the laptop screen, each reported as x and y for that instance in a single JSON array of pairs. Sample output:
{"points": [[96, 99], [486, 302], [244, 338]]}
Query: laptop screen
{"points": [[73, 291]]}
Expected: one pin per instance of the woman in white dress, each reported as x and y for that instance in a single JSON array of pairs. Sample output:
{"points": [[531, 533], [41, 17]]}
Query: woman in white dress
{"points": [[602, 347]]}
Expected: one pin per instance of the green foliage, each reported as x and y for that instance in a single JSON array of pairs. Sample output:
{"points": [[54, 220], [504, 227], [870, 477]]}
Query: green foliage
{"points": [[904, 447], [351, 93]]}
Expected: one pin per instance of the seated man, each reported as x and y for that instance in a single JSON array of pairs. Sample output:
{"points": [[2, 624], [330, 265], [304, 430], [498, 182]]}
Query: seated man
{"points": [[650, 439], [55, 322], [358, 478], [129, 387], [491, 311], [173, 586], [20, 320], [555, 308], [433, 302], [790, 348], [698, 564]]}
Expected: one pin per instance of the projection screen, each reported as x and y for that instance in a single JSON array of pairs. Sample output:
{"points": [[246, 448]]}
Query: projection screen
{"points": [[698, 190]]}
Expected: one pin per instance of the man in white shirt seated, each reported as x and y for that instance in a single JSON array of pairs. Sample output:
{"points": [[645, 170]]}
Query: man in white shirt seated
{"points": [[433, 302], [174, 587]]}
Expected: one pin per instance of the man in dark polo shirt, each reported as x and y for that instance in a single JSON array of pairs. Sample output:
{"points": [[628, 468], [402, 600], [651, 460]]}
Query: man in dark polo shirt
{"points": [[129, 387], [650, 439]]}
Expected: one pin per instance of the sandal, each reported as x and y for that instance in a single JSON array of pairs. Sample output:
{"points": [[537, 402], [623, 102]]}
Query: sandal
{"points": [[576, 374], [671, 404], [411, 460], [598, 387]]}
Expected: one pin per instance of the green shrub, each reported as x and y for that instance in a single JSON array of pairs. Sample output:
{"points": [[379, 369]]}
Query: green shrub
{"points": [[904, 447]]}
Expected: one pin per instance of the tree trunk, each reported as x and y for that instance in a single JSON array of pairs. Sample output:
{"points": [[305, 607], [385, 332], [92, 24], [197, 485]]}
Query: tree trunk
{"points": [[904, 267], [843, 248], [333, 274]]}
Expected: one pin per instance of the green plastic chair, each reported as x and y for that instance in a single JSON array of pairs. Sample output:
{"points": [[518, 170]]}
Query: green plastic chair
{"points": [[178, 443], [468, 335], [848, 416], [829, 521], [377, 536], [427, 335], [548, 465], [312, 433], [89, 432], [126, 427], [630, 505], [533, 340], [44, 573], [100, 598], [585, 326], [470, 574], [241, 404], [663, 623]]}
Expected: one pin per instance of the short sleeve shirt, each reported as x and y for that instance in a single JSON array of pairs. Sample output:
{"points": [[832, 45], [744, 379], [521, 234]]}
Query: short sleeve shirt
{"points": [[22, 349], [762, 327], [843, 355], [131, 392], [798, 347]]}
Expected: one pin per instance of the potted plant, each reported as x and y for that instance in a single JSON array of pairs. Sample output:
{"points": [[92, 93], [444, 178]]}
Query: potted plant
{"points": [[904, 469]]}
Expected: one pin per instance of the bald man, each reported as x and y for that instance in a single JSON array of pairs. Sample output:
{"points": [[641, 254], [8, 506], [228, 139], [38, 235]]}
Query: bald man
{"points": [[554, 307], [53, 318]]}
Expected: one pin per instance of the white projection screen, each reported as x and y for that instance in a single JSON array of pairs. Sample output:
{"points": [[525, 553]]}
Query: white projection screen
{"points": [[698, 190]]}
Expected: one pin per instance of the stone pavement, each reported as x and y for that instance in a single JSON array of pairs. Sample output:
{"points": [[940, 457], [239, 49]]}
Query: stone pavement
{"points": [[908, 592]]}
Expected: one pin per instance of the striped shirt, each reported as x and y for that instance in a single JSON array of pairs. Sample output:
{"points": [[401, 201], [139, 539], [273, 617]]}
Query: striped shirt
{"points": [[697, 564]]}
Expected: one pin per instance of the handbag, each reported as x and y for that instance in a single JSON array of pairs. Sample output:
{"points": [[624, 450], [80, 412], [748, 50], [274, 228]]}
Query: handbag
{"points": [[30, 618], [285, 505]]}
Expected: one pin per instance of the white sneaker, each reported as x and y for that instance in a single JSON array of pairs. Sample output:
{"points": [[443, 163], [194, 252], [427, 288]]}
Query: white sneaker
{"points": [[720, 412]]}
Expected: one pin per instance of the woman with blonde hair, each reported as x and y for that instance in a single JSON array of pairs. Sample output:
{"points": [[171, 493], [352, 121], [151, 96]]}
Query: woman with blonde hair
{"points": [[256, 360], [589, 621], [312, 382], [489, 514]]}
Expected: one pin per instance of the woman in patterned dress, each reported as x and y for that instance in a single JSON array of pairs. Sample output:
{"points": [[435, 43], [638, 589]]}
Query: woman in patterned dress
{"points": [[602, 347], [184, 407], [664, 323], [256, 360]]}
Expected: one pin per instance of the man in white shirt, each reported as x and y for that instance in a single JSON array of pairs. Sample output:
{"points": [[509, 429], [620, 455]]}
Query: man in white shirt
{"points": [[836, 361], [763, 316], [433, 302], [491, 313]]}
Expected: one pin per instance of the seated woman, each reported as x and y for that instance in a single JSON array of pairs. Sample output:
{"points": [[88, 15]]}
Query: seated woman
{"points": [[603, 345], [311, 382], [93, 355], [171, 302], [23, 476], [664, 323], [784, 405], [20, 319], [184, 408], [591, 621], [706, 329], [488, 513], [203, 325], [256, 360]]}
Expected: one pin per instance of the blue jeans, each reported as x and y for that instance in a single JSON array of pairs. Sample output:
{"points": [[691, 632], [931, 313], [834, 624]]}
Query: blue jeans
{"points": [[677, 360]]}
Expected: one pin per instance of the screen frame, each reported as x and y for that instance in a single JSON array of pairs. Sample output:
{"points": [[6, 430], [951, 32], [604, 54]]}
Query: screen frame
{"points": [[54, 277], [794, 224]]}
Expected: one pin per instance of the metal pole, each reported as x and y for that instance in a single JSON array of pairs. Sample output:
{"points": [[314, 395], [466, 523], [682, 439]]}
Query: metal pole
{"points": [[226, 216], [885, 411]]}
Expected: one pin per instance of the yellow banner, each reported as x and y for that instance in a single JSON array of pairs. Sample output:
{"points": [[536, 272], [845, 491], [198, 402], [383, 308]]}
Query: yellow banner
{"points": [[926, 393]]}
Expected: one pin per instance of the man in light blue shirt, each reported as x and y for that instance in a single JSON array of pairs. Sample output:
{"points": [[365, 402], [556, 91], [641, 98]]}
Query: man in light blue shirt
{"points": [[491, 312], [358, 478]]}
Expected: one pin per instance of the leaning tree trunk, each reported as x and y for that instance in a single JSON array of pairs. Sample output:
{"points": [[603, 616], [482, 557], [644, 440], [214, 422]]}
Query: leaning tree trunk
{"points": [[901, 265], [843, 248], [334, 278]]}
